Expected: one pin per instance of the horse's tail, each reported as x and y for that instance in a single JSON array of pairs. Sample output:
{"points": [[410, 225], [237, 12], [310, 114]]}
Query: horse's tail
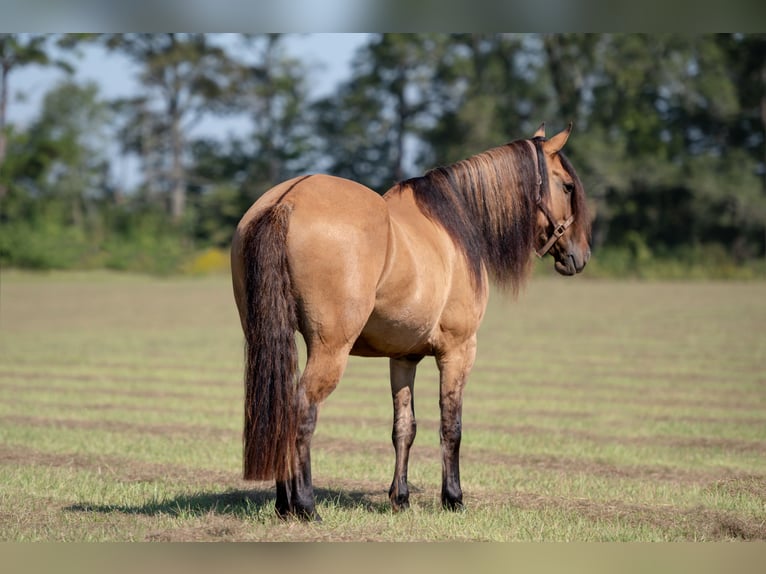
{"points": [[271, 355]]}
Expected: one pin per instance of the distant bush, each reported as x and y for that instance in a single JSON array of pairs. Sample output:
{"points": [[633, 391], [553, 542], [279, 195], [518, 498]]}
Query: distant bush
{"points": [[163, 255], [30, 246], [209, 261], [699, 262], [51, 246]]}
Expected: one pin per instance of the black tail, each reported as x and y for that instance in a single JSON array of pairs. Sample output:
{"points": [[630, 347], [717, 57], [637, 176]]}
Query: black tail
{"points": [[271, 355]]}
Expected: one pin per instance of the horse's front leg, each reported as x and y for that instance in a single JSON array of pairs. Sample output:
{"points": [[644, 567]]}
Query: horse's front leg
{"points": [[454, 366], [405, 426]]}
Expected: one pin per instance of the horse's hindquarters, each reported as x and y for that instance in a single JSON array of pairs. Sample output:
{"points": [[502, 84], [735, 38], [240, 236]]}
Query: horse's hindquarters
{"points": [[337, 245]]}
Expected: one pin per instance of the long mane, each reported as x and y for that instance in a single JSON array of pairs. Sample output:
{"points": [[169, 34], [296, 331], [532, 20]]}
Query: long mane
{"points": [[486, 204]]}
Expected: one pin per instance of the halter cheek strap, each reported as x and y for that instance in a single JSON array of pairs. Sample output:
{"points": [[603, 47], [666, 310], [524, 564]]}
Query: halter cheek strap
{"points": [[558, 231], [558, 227]]}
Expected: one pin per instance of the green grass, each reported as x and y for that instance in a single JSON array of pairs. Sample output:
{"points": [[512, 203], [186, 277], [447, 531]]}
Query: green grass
{"points": [[598, 410]]}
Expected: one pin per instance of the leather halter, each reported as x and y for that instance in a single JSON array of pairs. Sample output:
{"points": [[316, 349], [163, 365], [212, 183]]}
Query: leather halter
{"points": [[558, 227]]}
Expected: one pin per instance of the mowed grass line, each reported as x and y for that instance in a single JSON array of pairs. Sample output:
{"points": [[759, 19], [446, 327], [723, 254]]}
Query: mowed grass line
{"points": [[596, 411]]}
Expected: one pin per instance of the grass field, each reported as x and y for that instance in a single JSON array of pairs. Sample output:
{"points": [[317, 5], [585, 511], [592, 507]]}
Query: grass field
{"points": [[597, 410]]}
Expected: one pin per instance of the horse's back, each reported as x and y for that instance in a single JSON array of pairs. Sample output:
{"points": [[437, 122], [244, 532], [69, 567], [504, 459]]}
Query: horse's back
{"points": [[325, 193]]}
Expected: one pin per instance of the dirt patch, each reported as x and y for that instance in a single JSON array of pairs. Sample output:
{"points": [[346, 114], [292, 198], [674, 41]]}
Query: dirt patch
{"points": [[627, 396], [727, 527], [144, 394], [125, 365], [749, 485], [697, 523], [588, 378], [703, 419], [209, 528], [78, 406], [733, 445], [122, 469], [195, 431], [63, 376]]}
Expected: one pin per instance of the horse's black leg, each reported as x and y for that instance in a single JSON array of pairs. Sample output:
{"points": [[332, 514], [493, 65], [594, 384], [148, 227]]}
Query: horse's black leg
{"points": [[302, 499], [324, 368], [405, 426], [283, 499], [454, 366], [295, 496]]}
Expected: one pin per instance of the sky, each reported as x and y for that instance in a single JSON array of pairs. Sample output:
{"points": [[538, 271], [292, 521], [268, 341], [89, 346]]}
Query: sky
{"points": [[328, 56]]}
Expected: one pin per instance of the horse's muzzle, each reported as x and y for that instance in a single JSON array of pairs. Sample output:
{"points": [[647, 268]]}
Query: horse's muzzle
{"points": [[572, 264]]}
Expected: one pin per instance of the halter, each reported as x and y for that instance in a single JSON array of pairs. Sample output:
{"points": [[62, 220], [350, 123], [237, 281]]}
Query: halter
{"points": [[558, 227]]}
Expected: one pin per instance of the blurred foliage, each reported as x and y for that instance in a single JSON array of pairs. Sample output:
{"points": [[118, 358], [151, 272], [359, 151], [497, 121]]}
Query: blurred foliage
{"points": [[669, 140], [210, 261]]}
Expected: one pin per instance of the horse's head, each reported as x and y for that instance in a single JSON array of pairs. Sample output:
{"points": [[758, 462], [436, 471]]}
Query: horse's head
{"points": [[563, 222]]}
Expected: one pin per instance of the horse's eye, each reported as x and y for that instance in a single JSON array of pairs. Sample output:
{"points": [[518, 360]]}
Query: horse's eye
{"points": [[569, 187]]}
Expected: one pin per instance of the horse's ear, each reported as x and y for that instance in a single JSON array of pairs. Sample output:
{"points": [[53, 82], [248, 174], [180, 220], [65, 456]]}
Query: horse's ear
{"points": [[540, 133], [554, 145]]}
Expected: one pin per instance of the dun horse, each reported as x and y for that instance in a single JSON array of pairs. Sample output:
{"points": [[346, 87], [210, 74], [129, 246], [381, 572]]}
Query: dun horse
{"points": [[403, 275]]}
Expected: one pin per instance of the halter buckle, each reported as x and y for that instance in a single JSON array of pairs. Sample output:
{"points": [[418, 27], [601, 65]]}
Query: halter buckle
{"points": [[558, 231]]}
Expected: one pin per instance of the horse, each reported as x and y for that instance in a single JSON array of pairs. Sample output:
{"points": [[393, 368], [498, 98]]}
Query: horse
{"points": [[403, 275]]}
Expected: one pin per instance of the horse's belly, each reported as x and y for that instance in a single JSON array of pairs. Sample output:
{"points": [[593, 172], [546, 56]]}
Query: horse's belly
{"points": [[395, 336]]}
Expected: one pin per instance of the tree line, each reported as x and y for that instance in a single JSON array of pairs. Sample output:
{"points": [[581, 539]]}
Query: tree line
{"points": [[670, 136]]}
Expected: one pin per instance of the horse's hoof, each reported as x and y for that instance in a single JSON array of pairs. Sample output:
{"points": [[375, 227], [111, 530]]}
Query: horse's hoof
{"points": [[400, 505], [307, 515], [453, 505], [302, 515]]}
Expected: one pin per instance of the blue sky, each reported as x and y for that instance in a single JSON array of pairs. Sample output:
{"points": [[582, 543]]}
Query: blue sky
{"points": [[328, 55]]}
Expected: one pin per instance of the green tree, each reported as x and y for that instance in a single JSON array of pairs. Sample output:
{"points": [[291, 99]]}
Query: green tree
{"points": [[58, 175], [273, 91], [391, 99], [74, 121], [495, 94], [16, 51], [183, 77], [659, 141], [746, 66], [227, 177]]}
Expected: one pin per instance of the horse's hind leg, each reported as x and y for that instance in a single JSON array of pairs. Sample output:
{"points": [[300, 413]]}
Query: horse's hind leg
{"points": [[405, 427], [324, 368], [295, 497]]}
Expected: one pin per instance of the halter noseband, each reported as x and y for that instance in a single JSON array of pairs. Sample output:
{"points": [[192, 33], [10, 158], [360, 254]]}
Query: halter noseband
{"points": [[558, 227]]}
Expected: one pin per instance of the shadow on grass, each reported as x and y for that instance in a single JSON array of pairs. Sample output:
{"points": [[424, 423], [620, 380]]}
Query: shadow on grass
{"points": [[238, 503]]}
